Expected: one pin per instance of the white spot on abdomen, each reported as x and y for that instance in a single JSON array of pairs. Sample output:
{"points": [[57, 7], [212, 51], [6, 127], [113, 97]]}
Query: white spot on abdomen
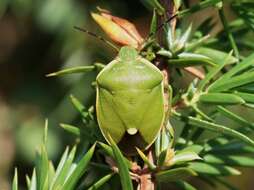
{"points": [[132, 131]]}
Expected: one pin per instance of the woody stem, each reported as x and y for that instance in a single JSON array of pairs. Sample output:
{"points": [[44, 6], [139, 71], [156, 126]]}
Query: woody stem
{"points": [[170, 11]]}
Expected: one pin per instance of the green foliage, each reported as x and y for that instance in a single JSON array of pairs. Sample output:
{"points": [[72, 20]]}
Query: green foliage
{"points": [[15, 180], [194, 141], [66, 175], [174, 174], [122, 167], [101, 181]]}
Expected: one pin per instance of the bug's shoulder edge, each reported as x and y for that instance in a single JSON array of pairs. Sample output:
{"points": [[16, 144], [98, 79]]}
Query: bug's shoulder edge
{"points": [[107, 67]]}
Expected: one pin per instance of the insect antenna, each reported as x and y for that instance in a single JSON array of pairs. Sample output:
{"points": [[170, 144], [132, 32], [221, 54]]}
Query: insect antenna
{"points": [[152, 34], [162, 25], [98, 37]]}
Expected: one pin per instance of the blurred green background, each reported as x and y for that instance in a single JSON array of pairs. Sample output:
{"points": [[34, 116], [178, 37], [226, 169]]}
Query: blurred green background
{"points": [[36, 38]]}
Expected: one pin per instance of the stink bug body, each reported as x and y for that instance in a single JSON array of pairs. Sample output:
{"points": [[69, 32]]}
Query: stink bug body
{"points": [[130, 99]]}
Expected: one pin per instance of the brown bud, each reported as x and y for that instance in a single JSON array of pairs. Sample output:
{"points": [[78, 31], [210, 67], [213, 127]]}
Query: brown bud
{"points": [[119, 30]]}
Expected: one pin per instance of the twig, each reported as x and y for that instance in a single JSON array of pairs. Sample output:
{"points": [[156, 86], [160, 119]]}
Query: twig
{"points": [[146, 181]]}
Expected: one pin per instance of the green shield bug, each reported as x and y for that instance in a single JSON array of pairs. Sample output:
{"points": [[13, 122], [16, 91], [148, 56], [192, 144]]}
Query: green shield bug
{"points": [[129, 90], [130, 100]]}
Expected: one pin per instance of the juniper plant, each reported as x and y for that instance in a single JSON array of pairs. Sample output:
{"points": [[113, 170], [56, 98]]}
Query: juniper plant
{"points": [[193, 142]]}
